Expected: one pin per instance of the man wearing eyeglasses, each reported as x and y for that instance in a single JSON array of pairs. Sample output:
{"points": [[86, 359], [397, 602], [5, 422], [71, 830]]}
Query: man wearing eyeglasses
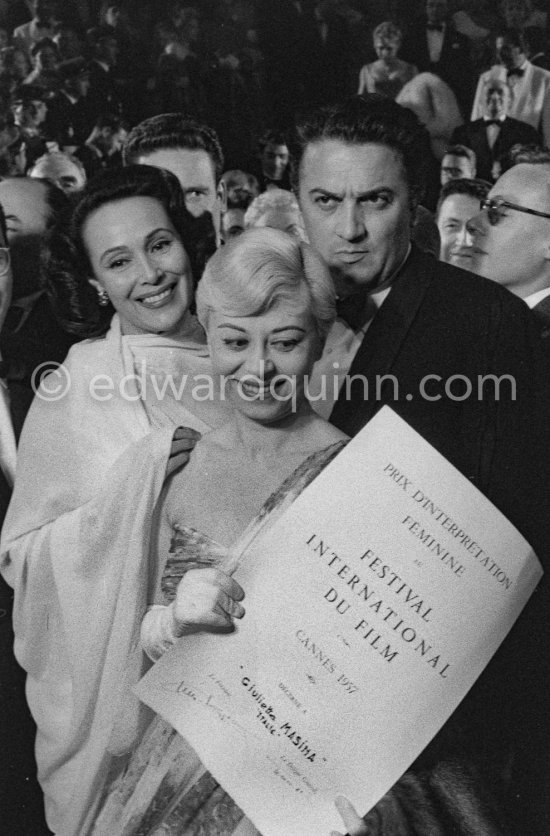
{"points": [[511, 234]]}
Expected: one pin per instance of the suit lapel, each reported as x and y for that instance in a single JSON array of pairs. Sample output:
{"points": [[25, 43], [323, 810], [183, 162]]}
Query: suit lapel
{"points": [[502, 135], [446, 46], [542, 313], [385, 336]]}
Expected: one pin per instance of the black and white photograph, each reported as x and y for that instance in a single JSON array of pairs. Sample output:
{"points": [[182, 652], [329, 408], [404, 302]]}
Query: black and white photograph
{"points": [[275, 418]]}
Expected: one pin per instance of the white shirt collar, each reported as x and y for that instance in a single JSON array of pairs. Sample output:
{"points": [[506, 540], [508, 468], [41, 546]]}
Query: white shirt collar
{"points": [[534, 298]]}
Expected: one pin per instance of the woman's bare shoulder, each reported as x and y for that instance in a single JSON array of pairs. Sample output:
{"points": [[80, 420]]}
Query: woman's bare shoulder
{"points": [[325, 434]]}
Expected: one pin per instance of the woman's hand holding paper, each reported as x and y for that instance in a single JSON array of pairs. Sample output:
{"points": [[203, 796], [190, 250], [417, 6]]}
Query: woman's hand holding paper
{"points": [[207, 599]]}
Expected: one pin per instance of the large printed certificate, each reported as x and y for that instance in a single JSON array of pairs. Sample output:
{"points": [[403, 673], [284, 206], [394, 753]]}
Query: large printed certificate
{"points": [[372, 605]]}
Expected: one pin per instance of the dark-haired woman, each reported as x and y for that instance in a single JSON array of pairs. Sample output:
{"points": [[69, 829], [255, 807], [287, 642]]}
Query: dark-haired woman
{"points": [[90, 471]]}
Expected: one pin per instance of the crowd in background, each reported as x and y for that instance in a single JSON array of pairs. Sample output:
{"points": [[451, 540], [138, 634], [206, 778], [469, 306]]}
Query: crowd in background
{"points": [[82, 83], [76, 75]]}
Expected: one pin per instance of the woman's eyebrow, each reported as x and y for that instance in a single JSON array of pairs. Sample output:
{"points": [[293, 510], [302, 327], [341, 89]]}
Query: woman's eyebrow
{"points": [[230, 325]]}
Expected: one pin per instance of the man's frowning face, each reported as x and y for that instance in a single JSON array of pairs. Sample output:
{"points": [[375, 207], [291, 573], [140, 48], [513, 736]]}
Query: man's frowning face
{"points": [[356, 208]]}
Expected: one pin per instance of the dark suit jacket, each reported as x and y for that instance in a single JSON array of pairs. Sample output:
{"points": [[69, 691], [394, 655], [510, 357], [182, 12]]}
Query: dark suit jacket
{"points": [[438, 320], [541, 60], [103, 96], [37, 340], [69, 123], [22, 800], [20, 400], [474, 136], [454, 65]]}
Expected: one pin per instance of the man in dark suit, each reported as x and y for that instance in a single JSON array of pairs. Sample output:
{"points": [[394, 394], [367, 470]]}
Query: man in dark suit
{"points": [[433, 45], [31, 335], [271, 168], [20, 795], [422, 332], [103, 95], [70, 116], [492, 137]]}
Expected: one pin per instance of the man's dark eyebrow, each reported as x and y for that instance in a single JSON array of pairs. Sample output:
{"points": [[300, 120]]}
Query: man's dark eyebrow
{"points": [[360, 195]]}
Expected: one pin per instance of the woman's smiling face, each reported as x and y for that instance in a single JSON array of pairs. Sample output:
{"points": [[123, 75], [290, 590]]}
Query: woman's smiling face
{"points": [[265, 358], [138, 258]]}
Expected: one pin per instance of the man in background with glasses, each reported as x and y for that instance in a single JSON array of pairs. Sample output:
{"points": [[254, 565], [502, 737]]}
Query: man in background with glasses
{"points": [[511, 234]]}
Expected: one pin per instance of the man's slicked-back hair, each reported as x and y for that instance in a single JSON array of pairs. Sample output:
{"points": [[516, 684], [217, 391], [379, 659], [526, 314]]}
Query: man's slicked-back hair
{"points": [[461, 151], [473, 187], [512, 37], [169, 131], [272, 136], [371, 118], [531, 154]]}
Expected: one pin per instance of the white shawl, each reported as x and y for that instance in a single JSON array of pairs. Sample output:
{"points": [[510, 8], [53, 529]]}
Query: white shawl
{"points": [[75, 549]]}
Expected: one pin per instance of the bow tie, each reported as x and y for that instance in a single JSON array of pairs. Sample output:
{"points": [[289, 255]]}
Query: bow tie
{"points": [[356, 310], [434, 27], [497, 122], [515, 73]]}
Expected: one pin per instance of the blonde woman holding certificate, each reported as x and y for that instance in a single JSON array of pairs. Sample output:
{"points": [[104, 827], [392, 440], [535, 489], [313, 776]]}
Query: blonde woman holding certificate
{"points": [[266, 302]]}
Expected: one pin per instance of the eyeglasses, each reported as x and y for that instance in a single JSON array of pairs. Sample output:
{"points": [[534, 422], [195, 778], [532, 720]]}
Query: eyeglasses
{"points": [[494, 207], [5, 260]]}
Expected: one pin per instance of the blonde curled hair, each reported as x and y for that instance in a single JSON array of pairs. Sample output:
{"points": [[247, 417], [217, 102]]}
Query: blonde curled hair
{"points": [[261, 267]]}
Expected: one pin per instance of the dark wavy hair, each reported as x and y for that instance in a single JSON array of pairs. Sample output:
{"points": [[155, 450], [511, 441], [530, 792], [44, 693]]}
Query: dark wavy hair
{"points": [[473, 187], [65, 264], [371, 118], [170, 131]]}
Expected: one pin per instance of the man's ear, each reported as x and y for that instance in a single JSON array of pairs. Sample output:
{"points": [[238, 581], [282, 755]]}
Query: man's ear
{"points": [[221, 191]]}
